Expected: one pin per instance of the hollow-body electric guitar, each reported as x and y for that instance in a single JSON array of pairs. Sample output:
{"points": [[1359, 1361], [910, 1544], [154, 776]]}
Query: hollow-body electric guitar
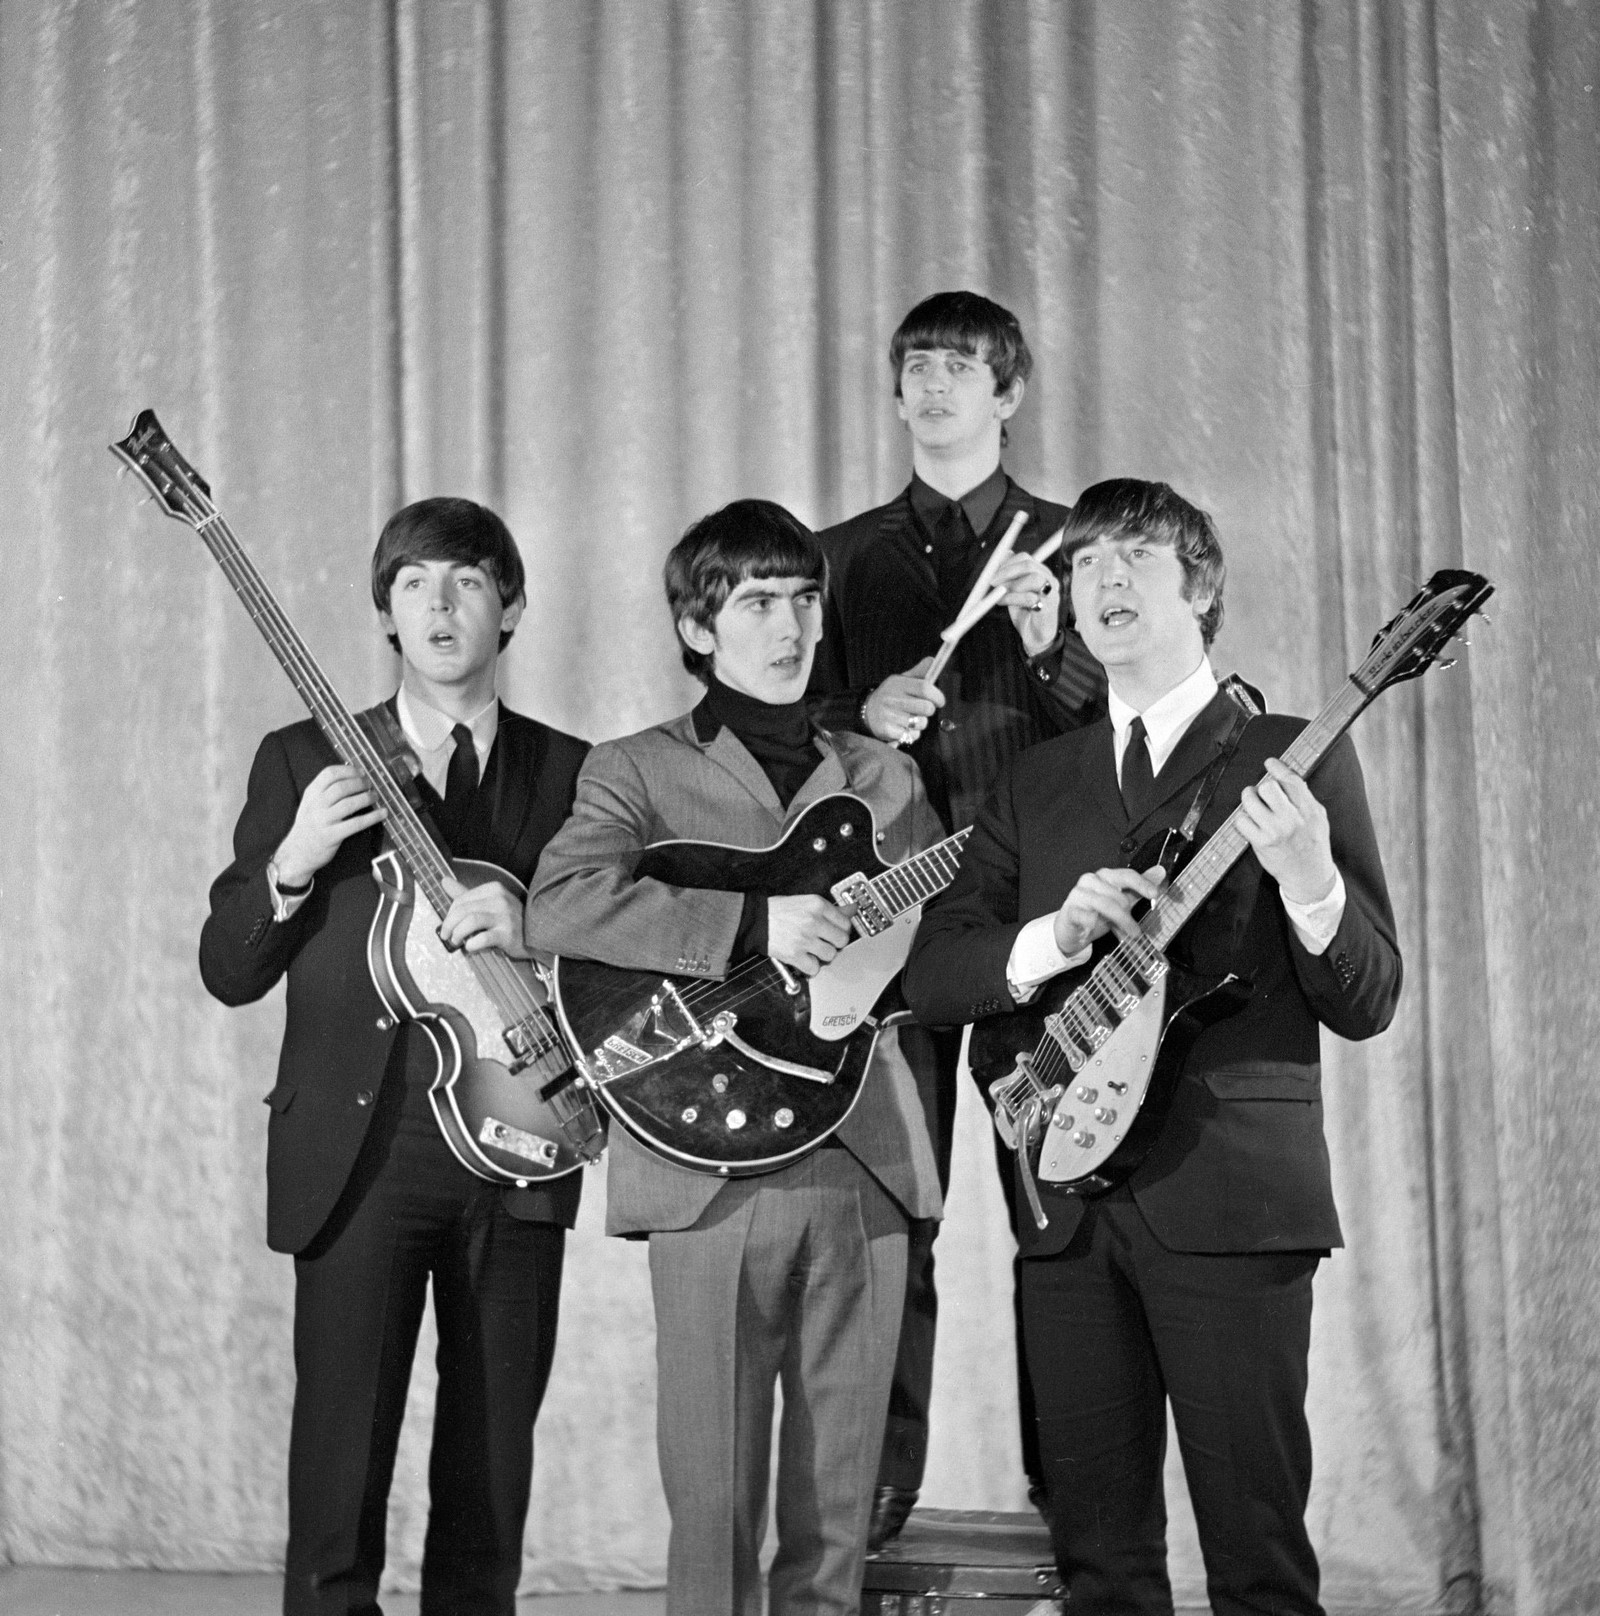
{"points": [[741, 1075], [1081, 1080], [508, 1099]]}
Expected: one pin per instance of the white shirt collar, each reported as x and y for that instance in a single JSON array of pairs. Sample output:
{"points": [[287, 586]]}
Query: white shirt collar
{"points": [[1166, 719], [429, 730]]}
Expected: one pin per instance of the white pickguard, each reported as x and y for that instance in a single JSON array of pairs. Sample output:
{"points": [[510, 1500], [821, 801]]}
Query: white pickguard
{"points": [[1076, 1141], [441, 976], [844, 991]]}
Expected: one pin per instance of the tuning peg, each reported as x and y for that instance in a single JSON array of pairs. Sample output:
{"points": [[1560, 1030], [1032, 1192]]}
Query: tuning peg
{"points": [[1486, 617], [1449, 662]]}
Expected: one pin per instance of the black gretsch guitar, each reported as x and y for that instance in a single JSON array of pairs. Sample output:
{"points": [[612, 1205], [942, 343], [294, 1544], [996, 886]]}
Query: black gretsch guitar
{"points": [[507, 1098], [1082, 1079], [741, 1075]]}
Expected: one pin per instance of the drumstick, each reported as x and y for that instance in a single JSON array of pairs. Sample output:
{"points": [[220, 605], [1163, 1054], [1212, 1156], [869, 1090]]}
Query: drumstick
{"points": [[998, 593], [978, 604], [967, 619], [1001, 551]]}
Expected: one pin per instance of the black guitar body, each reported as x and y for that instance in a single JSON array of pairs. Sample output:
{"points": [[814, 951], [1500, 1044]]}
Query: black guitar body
{"points": [[727, 1076]]}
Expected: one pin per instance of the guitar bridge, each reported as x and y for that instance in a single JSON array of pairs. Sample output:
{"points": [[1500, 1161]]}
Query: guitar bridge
{"points": [[1020, 1101], [666, 1027], [528, 1041], [855, 896]]}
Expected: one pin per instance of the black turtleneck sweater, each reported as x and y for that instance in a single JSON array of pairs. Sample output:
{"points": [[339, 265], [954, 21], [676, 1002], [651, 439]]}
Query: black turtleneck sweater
{"points": [[779, 736]]}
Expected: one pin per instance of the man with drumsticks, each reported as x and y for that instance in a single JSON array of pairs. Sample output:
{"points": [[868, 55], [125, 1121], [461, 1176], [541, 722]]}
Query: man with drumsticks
{"points": [[900, 575]]}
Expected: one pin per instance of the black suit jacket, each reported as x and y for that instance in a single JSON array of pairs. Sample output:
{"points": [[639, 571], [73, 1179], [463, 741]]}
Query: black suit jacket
{"points": [[884, 614], [1242, 1163], [336, 1041]]}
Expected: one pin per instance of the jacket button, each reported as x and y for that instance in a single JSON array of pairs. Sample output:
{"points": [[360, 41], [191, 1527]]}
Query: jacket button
{"points": [[947, 724], [364, 1097], [384, 1023]]}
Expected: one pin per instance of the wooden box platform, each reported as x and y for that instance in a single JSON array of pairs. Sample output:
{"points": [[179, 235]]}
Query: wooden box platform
{"points": [[960, 1562]]}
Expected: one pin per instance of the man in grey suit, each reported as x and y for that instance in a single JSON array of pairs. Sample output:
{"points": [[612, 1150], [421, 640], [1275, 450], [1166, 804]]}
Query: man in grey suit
{"points": [[796, 1276]]}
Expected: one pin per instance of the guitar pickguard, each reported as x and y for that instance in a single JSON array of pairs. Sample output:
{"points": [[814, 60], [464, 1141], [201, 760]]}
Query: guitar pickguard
{"points": [[1092, 1117], [844, 991]]}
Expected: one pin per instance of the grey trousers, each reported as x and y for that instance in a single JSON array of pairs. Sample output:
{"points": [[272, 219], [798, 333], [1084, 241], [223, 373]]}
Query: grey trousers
{"points": [[796, 1278]]}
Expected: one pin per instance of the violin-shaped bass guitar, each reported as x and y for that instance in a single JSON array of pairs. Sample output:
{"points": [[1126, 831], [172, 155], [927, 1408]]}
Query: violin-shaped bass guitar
{"points": [[508, 1099]]}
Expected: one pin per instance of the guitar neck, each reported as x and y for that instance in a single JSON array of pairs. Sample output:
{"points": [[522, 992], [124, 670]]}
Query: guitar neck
{"points": [[919, 877], [1175, 907], [427, 864]]}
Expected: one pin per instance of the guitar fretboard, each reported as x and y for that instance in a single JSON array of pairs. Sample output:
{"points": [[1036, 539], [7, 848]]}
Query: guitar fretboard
{"points": [[918, 878]]}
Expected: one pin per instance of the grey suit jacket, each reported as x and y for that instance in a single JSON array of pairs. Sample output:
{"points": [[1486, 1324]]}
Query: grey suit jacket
{"points": [[666, 783]]}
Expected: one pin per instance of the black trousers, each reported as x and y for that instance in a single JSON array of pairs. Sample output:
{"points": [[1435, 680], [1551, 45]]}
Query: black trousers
{"points": [[934, 1055], [1117, 1327], [412, 1213]]}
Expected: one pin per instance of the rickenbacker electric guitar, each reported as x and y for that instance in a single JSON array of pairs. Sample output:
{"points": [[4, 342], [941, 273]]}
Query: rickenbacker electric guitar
{"points": [[741, 1075], [1081, 1081], [507, 1097]]}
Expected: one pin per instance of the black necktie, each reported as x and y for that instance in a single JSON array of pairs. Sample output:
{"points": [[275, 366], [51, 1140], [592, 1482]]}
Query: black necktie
{"points": [[954, 551], [461, 781], [1138, 784]]}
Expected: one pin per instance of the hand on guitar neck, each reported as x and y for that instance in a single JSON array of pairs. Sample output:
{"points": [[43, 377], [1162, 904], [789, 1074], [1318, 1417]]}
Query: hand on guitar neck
{"points": [[335, 806], [1287, 828]]}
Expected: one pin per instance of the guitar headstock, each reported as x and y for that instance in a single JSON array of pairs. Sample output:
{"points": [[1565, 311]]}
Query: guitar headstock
{"points": [[181, 490], [1411, 641]]}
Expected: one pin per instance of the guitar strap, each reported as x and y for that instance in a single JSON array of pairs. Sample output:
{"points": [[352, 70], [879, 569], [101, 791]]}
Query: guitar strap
{"points": [[1176, 838], [400, 759]]}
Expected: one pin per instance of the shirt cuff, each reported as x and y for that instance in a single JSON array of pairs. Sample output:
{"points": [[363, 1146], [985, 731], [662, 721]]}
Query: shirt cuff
{"points": [[1034, 958], [1316, 924], [284, 904]]}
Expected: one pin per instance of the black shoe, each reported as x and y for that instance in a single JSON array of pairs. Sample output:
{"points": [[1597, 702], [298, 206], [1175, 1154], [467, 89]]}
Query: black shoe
{"points": [[1040, 1499], [890, 1507]]}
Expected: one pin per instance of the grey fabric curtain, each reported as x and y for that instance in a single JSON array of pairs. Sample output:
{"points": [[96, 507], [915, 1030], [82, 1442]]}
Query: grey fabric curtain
{"points": [[1331, 268]]}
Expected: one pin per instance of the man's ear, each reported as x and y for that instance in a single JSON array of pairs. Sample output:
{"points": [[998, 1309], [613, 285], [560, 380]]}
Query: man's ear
{"points": [[512, 615], [1005, 403], [696, 636]]}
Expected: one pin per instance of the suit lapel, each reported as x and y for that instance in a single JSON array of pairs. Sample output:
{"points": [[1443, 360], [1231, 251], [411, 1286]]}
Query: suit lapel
{"points": [[728, 753], [513, 773], [1098, 772], [1195, 751], [900, 538], [828, 777]]}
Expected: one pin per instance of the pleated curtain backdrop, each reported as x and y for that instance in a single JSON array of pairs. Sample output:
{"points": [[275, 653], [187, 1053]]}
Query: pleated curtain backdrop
{"points": [[1330, 267]]}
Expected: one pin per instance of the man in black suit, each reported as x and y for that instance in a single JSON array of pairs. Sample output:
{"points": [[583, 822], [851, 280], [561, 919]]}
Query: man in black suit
{"points": [[1191, 1283], [361, 1187], [900, 574]]}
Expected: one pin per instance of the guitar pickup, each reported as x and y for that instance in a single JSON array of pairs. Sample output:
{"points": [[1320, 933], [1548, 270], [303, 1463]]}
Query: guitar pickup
{"points": [[528, 1042], [855, 896]]}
